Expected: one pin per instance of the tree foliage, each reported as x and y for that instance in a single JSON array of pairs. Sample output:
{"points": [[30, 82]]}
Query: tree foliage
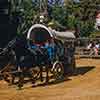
{"points": [[84, 13], [67, 13]]}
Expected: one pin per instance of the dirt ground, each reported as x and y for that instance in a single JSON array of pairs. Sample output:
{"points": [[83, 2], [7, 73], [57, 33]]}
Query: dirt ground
{"points": [[84, 84]]}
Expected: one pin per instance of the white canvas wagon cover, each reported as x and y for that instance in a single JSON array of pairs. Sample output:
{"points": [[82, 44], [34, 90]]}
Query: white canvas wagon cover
{"points": [[40, 33]]}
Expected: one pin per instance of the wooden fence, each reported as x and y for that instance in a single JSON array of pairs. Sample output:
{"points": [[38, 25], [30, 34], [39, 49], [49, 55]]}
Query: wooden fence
{"points": [[81, 48]]}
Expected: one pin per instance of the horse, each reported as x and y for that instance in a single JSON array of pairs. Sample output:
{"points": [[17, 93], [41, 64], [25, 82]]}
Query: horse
{"points": [[23, 59], [7, 62]]}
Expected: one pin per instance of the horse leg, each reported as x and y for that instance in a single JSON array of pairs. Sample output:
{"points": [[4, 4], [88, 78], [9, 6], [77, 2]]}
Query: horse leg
{"points": [[8, 76], [32, 80], [11, 77], [21, 80], [41, 76], [31, 76], [5, 77], [12, 80], [47, 76]]}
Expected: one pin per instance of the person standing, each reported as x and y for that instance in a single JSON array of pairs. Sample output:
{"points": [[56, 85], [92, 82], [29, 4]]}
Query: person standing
{"points": [[96, 48]]}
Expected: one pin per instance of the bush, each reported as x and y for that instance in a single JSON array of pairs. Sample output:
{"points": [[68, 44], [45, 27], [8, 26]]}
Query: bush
{"points": [[86, 28], [95, 34]]}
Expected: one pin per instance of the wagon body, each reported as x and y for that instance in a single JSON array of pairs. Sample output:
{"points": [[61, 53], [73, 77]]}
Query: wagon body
{"points": [[63, 41]]}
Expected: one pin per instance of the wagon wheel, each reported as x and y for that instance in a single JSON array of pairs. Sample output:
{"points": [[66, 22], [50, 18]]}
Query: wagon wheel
{"points": [[8, 66], [58, 70], [7, 77], [35, 72]]}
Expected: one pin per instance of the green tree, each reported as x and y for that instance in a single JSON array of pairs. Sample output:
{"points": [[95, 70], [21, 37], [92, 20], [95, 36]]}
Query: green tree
{"points": [[85, 12], [23, 12]]}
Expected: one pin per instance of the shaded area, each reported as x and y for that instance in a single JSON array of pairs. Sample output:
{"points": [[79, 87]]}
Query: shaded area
{"points": [[78, 71], [50, 83], [82, 70], [40, 35]]}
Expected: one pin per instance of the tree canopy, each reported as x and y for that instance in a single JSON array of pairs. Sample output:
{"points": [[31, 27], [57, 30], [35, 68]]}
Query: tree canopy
{"points": [[68, 13]]}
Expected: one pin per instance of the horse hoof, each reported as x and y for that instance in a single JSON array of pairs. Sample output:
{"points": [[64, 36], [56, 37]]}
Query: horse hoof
{"points": [[33, 86], [42, 80], [19, 88], [47, 82], [33, 82], [10, 84]]}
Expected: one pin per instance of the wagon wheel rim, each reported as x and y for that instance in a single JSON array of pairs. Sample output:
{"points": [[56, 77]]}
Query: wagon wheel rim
{"points": [[7, 77], [58, 71]]}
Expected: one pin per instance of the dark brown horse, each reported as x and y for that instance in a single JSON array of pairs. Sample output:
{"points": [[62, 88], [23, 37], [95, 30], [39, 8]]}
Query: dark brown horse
{"points": [[7, 63], [17, 57]]}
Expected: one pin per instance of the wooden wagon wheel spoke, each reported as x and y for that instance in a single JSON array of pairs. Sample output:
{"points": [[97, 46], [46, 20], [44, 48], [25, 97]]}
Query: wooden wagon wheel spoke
{"points": [[58, 70], [7, 77]]}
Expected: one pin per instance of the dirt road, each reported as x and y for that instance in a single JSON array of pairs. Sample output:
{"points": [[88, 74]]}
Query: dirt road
{"points": [[84, 84]]}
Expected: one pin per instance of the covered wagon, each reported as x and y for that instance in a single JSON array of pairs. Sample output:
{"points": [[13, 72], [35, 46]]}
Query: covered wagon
{"points": [[61, 42]]}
